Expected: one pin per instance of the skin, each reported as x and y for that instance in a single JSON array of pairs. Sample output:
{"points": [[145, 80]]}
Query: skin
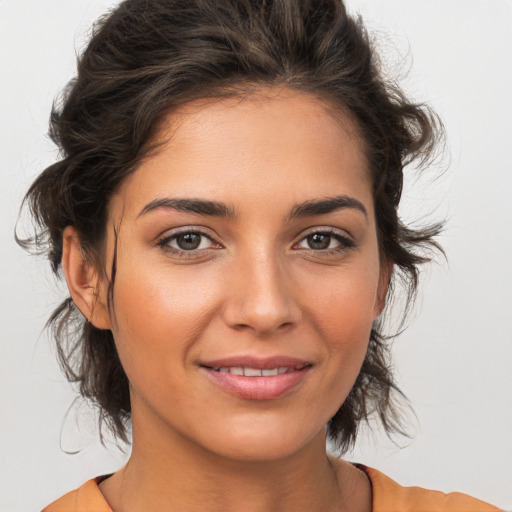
{"points": [[254, 286]]}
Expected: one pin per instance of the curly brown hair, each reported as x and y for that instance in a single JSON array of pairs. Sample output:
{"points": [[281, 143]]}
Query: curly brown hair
{"points": [[147, 58]]}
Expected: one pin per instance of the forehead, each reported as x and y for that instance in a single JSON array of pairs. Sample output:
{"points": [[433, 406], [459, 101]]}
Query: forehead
{"points": [[268, 146]]}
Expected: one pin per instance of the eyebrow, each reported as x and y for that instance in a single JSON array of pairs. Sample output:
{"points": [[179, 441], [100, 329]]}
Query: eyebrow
{"points": [[327, 205], [199, 206], [217, 209]]}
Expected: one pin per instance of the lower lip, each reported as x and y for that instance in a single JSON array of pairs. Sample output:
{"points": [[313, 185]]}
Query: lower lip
{"points": [[258, 388]]}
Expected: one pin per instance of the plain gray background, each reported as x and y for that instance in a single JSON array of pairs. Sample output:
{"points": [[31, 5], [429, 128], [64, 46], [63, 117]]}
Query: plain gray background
{"points": [[453, 362]]}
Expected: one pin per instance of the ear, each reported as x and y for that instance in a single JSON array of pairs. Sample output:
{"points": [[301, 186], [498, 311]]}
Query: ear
{"points": [[87, 290], [386, 271]]}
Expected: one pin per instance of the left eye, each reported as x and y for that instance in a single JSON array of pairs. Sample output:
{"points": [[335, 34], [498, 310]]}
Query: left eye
{"points": [[321, 241], [188, 241]]}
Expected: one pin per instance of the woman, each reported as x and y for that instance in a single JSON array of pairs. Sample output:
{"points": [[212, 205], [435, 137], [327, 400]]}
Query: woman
{"points": [[226, 219]]}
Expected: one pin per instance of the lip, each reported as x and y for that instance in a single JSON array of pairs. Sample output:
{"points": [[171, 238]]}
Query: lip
{"points": [[262, 363], [257, 388]]}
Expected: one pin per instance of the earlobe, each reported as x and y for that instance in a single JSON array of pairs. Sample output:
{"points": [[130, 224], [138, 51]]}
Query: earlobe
{"points": [[87, 290]]}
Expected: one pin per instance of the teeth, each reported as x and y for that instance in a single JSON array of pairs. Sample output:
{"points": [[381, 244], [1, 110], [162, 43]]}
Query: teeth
{"points": [[254, 372]]}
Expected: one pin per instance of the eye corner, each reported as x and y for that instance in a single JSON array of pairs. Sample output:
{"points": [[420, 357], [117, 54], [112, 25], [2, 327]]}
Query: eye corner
{"points": [[324, 242], [199, 242]]}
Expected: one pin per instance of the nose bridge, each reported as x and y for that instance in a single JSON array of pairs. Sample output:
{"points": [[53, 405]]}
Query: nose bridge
{"points": [[261, 296]]}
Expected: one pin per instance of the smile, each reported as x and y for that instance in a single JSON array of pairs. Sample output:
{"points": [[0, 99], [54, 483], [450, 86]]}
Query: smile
{"points": [[254, 379], [257, 372]]}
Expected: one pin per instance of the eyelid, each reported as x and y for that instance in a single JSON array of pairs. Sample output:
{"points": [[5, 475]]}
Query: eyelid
{"points": [[346, 240], [171, 234], [175, 231], [325, 229]]}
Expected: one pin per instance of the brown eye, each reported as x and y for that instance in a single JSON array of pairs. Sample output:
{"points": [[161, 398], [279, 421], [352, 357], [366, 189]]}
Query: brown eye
{"points": [[319, 241], [188, 241], [326, 242]]}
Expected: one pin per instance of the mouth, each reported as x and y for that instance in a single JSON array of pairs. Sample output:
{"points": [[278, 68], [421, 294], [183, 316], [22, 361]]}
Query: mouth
{"points": [[257, 379], [247, 371]]}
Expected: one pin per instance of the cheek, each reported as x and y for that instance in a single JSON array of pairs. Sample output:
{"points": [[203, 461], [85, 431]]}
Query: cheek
{"points": [[342, 313], [159, 316], [344, 307]]}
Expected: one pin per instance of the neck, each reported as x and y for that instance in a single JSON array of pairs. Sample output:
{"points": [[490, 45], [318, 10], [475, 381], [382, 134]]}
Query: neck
{"points": [[166, 471]]}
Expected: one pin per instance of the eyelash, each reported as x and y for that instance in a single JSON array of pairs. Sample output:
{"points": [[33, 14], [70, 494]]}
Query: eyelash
{"points": [[164, 242], [346, 243]]}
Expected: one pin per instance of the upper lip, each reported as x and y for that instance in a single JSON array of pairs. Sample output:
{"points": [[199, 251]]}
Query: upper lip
{"points": [[262, 363]]}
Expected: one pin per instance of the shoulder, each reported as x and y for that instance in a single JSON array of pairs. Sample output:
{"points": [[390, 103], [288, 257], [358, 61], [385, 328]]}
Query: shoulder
{"points": [[87, 498], [389, 496]]}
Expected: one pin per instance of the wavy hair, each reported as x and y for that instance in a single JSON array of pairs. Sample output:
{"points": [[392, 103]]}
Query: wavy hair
{"points": [[145, 59]]}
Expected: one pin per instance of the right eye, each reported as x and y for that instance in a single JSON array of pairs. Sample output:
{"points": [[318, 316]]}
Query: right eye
{"points": [[187, 242]]}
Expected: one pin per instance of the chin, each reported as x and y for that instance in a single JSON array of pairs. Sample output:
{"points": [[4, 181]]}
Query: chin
{"points": [[263, 443]]}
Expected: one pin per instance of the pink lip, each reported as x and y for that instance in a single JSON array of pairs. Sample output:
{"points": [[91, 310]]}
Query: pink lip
{"points": [[258, 388]]}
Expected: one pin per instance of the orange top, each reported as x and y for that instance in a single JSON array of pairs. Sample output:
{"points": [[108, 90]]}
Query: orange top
{"points": [[388, 496]]}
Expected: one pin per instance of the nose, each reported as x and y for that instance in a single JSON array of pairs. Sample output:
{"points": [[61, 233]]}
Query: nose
{"points": [[261, 296]]}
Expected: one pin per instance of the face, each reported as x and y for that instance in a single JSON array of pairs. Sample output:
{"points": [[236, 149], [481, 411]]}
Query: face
{"points": [[248, 274]]}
